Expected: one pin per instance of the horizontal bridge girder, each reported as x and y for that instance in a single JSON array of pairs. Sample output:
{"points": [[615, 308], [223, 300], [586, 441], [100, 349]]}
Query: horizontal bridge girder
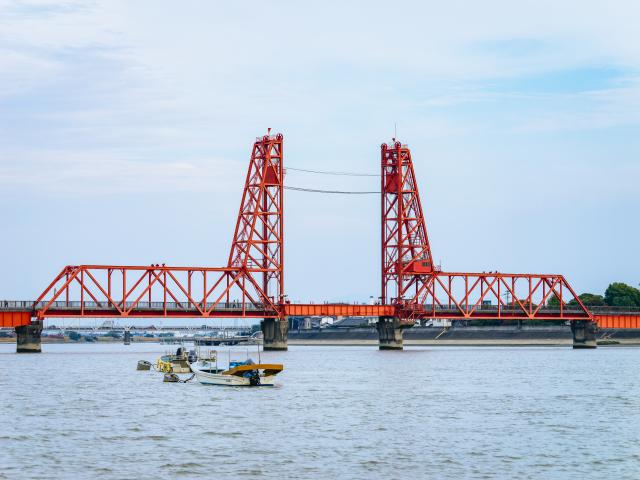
{"points": [[338, 310], [12, 319], [21, 313], [618, 321], [141, 313]]}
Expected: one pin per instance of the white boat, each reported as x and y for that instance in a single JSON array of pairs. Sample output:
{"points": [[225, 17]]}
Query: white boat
{"points": [[239, 374]]}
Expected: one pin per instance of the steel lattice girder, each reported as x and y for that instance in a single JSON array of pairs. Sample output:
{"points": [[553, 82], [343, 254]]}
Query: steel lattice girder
{"points": [[252, 284], [493, 295], [418, 288], [405, 243], [131, 291]]}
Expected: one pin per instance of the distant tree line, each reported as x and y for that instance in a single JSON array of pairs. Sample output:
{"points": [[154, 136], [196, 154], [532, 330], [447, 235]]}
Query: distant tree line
{"points": [[76, 337], [617, 294]]}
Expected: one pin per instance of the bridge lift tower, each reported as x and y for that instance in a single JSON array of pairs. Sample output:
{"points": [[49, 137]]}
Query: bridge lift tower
{"points": [[251, 285], [418, 289]]}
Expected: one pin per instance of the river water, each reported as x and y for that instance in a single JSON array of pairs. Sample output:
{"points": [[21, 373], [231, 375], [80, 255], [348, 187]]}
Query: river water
{"points": [[83, 411]]}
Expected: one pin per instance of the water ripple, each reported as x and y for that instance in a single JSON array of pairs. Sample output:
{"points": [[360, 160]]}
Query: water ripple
{"points": [[82, 411]]}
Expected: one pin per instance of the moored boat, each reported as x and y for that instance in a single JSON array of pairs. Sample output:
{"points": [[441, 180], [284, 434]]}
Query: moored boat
{"points": [[239, 374], [178, 363], [143, 365]]}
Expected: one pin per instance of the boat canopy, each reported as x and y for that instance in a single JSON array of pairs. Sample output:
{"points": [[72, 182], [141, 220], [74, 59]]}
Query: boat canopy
{"points": [[269, 369]]}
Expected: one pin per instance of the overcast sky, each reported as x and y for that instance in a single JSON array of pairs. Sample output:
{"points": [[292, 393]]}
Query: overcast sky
{"points": [[126, 128]]}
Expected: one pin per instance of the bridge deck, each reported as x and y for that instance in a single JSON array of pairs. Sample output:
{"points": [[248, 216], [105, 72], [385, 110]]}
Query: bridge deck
{"points": [[618, 320], [16, 313]]}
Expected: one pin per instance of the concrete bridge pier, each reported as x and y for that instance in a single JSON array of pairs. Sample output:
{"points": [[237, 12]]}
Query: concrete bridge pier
{"points": [[584, 334], [390, 333], [275, 333], [29, 338], [127, 336]]}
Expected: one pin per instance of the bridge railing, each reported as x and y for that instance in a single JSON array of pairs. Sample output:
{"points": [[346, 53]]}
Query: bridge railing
{"points": [[507, 311], [16, 305], [13, 305], [546, 309], [503, 308], [615, 310]]}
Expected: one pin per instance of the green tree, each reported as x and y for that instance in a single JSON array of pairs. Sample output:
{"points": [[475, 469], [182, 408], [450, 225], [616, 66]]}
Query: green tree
{"points": [[589, 300], [553, 301], [620, 294]]}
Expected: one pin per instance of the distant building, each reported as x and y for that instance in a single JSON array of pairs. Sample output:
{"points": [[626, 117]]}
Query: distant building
{"points": [[325, 321], [107, 325], [437, 322]]}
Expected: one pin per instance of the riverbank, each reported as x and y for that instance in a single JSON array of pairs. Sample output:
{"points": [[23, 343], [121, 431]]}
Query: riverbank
{"points": [[462, 336], [101, 340]]}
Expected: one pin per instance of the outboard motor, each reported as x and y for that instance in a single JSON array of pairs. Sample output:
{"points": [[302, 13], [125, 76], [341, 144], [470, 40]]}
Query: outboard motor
{"points": [[254, 379], [192, 357]]}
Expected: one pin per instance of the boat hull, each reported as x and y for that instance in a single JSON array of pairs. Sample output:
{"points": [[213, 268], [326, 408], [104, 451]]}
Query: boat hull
{"points": [[173, 364], [207, 378]]}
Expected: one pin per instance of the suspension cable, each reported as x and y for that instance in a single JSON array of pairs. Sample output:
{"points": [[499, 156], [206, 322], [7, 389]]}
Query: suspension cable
{"points": [[343, 192], [326, 172]]}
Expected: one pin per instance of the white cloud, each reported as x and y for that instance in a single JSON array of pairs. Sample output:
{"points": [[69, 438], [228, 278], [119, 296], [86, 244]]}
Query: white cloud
{"points": [[590, 110], [69, 173], [118, 97]]}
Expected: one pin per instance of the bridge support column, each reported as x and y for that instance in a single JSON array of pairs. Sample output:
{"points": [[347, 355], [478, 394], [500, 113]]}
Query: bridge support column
{"points": [[584, 334], [390, 333], [127, 336], [275, 333], [29, 338]]}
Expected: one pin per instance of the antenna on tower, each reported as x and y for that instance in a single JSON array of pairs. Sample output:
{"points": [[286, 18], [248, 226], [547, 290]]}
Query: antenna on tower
{"points": [[395, 130]]}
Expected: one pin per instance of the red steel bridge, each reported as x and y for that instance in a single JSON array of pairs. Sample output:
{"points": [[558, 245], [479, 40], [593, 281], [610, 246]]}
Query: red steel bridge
{"points": [[251, 284]]}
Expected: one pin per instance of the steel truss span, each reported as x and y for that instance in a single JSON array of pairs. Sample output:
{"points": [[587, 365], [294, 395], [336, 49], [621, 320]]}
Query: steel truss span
{"points": [[500, 296], [419, 289], [251, 285], [132, 291], [252, 282]]}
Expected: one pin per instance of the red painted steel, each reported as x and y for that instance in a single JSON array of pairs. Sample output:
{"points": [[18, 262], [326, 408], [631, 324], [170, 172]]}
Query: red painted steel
{"points": [[259, 235], [156, 290], [418, 288], [12, 319], [500, 296], [337, 309], [618, 320], [405, 244], [252, 284]]}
